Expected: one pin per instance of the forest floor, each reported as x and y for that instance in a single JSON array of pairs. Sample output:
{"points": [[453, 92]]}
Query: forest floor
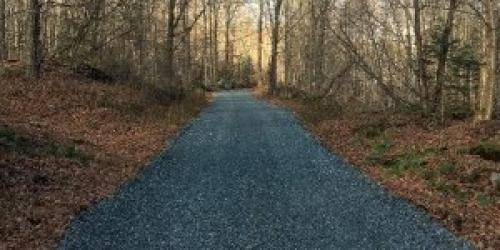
{"points": [[437, 168], [66, 143]]}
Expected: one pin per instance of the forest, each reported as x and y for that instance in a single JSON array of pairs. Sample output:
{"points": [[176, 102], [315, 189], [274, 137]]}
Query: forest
{"points": [[406, 90]]}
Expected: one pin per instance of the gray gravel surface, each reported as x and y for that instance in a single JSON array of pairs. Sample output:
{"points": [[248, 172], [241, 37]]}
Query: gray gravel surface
{"points": [[246, 175]]}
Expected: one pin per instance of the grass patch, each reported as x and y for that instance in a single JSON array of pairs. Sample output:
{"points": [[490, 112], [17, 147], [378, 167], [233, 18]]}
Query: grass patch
{"points": [[408, 161], [13, 142], [447, 189], [429, 174], [379, 149], [488, 150], [447, 169], [485, 200]]}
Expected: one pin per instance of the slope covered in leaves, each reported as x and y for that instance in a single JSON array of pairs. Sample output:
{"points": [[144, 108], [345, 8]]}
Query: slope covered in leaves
{"points": [[65, 143]]}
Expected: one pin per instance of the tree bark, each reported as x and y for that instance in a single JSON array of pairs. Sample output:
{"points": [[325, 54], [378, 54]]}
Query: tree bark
{"points": [[320, 44], [421, 69], [488, 75], [260, 40], [288, 48], [273, 67], [33, 39], [3, 42], [169, 43], [228, 34], [444, 47], [215, 66]]}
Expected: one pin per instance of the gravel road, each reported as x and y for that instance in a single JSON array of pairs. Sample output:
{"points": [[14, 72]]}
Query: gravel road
{"points": [[246, 175]]}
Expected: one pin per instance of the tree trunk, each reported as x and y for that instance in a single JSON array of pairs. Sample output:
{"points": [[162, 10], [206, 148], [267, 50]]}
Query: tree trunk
{"points": [[260, 40], [288, 49], [33, 39], [140, 36], [228, 34], [421, 70], [488, 75], [187, 47], [205, 57], [169, 46], [320, 45], [444, 47], [3, 42], [273, 67], [215, 66]]}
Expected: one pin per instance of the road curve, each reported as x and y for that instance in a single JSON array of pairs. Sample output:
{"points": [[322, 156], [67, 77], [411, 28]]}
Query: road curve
{"points": [[246, 175]]}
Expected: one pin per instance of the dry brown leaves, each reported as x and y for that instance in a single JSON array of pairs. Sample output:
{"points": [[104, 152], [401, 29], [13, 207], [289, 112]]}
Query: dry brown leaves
{"points": [[39, 194], [476, 222]]}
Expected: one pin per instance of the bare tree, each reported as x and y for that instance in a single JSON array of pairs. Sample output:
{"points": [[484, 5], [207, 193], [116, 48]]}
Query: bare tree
{"points": [[444, 47], [169, 42], [260, 39], [33, 57], [3, 42], [488, 70], [273, 66], [421, 69]]}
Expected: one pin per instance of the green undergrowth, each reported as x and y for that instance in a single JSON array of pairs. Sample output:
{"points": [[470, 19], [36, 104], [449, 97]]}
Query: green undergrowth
{"points": [[11, 141], [488, 150], [485, 199]]}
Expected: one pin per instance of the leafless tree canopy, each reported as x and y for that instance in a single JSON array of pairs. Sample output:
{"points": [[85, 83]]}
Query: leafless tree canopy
{"points": [[438, 57]]}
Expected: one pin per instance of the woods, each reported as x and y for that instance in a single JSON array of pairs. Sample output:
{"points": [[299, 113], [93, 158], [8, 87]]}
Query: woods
{"points": [[436, 56], [149, 43]]}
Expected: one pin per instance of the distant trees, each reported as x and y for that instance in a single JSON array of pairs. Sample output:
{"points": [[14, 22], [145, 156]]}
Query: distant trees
{"points": [[170, 44], [436, 57]]}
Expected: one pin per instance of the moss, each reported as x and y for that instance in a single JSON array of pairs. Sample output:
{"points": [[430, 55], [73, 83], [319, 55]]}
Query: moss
{"points": [[447, 169], [8, 138], [72, 152], [488, 150], [14, 142], [447, 189], [485, 200], [405, 162], [379, 149], [429, 174], [461, 196]]}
